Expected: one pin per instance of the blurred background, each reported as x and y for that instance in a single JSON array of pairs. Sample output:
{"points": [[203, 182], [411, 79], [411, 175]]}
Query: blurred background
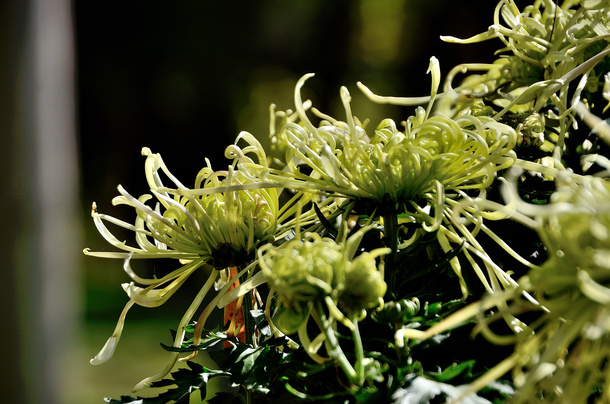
{"points": [[84, 85]]}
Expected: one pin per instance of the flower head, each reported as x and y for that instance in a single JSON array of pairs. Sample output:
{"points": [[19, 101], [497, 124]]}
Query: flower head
{"points": [[196, 226], [554, 56], [391, 166], [572, 339], [577, 225], [220, 221], [562, 356], [316, 269]]}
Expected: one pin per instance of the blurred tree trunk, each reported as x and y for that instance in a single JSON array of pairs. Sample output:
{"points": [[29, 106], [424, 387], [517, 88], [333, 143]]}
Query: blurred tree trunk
{"points": [[40, 237]]}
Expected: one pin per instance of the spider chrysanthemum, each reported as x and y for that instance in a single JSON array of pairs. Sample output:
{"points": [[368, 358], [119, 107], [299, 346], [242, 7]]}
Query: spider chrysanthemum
{"points": [[391, 166], [220, 221], [420, 173]]}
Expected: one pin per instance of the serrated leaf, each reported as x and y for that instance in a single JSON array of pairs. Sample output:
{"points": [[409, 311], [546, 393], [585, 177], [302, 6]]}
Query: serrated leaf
{"points": [[187, 381], [209, 340]]}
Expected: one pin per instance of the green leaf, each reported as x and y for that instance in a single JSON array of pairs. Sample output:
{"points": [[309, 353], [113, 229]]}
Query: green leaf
{"points": [[453, 371], [212, 338], [195, 378]]}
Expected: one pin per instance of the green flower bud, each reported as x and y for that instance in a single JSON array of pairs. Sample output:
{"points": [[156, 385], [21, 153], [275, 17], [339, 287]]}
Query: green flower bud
{"points": [[304, 270], [319, 269], [434, 308], [364, 285], [401, 311], [531, 130]]}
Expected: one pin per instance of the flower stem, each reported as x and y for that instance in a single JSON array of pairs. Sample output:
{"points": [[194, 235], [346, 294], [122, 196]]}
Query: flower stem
{"points": [[247, 307], [359, 352], [333, 347], [390, 229]]}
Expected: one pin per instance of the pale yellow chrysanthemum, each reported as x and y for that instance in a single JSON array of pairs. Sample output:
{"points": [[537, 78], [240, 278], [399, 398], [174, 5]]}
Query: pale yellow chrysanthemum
{"points": [[391, 166], [220, 221], [553, 56], [420, 172], [562, 355]]}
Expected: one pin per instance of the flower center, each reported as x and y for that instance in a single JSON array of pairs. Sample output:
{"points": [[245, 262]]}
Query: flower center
{"points": [[226, 255]]}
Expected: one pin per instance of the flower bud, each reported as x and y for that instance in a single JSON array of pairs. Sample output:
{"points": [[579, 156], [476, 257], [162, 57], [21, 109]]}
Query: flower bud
{"points": [[304, 270], [364, 285]]}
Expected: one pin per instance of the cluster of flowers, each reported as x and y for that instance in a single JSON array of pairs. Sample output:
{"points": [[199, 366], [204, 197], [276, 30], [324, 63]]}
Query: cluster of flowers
{"points": [[296, 220]]}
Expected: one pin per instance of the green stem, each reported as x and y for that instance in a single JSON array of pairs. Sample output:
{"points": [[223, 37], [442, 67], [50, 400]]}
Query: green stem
{"points": [[335, 350], [247, 307], [249, 324], [359, 352], [390, 229]]}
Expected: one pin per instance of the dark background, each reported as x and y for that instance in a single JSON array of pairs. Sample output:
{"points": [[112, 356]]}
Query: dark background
{"points": [[183, 78]]}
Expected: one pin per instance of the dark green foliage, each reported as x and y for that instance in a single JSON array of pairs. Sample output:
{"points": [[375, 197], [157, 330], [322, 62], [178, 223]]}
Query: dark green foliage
{"points": [[187, 381]]}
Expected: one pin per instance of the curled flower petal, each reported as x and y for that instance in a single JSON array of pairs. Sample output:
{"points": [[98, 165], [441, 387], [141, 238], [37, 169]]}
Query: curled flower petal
{"points": [[108, 350]]}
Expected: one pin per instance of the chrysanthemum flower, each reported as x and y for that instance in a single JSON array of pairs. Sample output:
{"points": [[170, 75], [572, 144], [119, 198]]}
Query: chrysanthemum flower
{"points": [[562, 356], [322, 278], [391, 166], [199, 223], [220, 221], [419, 172], [554, 57]]}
